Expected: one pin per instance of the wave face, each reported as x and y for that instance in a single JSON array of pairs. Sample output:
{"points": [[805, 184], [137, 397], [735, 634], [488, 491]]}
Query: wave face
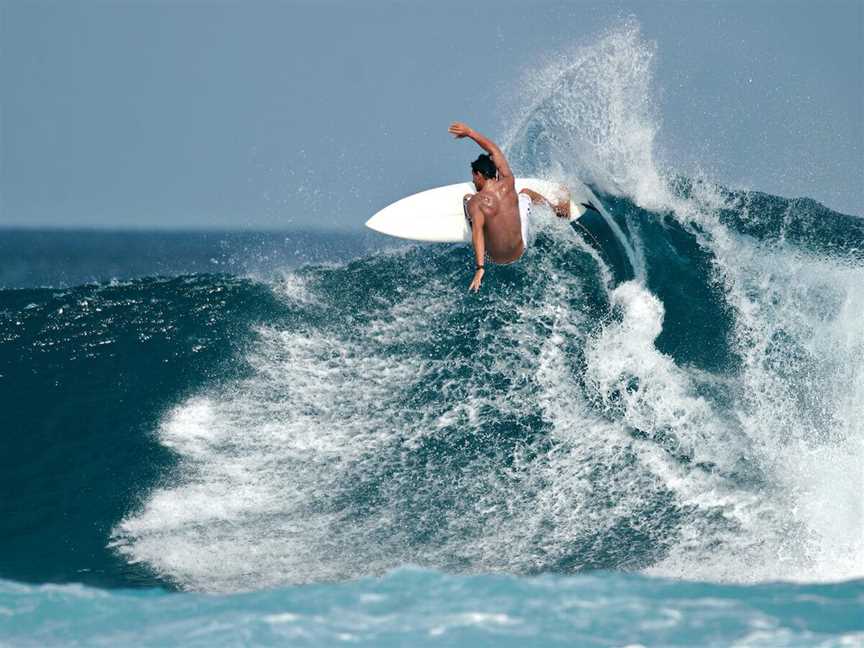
{"points": [[704, 424], [700, 420], [85, 376]]}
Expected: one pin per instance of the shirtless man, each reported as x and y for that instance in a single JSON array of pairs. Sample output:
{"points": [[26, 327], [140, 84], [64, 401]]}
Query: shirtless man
{"points": [[498, 215]]}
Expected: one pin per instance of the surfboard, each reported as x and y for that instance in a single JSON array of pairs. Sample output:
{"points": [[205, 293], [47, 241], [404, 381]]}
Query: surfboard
{"points": [[436, 215]]}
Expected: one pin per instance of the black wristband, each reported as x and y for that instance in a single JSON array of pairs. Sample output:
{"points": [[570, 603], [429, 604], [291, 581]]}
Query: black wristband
{"points": [[480, 268]]}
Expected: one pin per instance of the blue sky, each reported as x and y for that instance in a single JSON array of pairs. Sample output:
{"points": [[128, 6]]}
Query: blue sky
{"points": [[316, 114]]}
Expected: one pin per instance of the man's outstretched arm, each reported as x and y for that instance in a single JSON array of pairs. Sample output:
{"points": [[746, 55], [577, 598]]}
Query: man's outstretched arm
{"points": [[561, 208], [460, 130]]}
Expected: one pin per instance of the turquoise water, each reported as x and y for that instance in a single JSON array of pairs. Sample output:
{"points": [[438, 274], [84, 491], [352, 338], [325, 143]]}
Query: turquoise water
{"points": [[422, 608]]}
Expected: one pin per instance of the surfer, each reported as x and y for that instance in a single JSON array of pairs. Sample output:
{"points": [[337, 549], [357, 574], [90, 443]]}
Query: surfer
{"points": [[498, 215]]}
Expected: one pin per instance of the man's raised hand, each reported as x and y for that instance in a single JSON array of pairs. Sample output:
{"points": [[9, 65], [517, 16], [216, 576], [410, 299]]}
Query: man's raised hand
{"points": [[459, 130]]}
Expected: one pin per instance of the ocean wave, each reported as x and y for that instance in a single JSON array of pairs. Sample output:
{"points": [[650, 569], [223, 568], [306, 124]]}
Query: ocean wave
{"points": [[694, 414]]}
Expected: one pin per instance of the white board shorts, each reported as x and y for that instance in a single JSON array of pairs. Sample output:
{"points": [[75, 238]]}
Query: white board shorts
{"points": [[524, 218]]}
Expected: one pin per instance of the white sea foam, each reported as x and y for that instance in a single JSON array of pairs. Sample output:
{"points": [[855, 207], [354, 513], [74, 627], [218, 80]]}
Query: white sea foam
{"points": [[265, 461]]}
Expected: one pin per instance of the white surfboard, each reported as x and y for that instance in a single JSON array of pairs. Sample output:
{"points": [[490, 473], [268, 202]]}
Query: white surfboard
{"points": [[437, 215]]}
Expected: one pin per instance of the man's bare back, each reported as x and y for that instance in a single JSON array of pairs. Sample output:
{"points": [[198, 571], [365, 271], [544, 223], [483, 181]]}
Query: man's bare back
{"points": [[502, 229], [496, 227]]}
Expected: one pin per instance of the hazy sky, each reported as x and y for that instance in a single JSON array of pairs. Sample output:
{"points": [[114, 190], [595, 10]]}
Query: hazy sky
{"points": [[316, 114]]}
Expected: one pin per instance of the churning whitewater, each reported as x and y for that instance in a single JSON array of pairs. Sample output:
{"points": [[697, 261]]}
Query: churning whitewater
{"points": [[698, 415]]}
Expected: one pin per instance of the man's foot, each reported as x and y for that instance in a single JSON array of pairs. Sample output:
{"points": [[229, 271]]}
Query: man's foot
{"points": [[562, 209]]}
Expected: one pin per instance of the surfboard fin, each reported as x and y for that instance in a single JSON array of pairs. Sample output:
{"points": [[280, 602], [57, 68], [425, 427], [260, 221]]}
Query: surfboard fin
{"points": [[590, 205]]}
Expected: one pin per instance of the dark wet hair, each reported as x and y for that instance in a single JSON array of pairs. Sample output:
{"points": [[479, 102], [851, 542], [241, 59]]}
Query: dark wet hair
{"points": [[485, 166]]}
